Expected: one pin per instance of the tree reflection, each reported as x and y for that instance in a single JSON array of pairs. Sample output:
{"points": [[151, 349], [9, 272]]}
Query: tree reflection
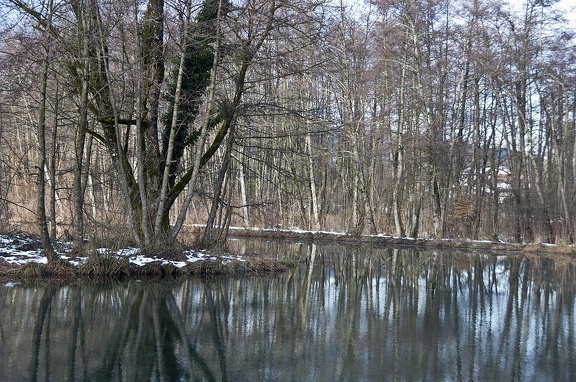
{"points": [[42, 321], [150, 340], [351, 313]]}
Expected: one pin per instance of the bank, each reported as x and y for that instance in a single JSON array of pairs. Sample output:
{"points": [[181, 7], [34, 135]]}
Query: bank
{"points": [[21, 256]]}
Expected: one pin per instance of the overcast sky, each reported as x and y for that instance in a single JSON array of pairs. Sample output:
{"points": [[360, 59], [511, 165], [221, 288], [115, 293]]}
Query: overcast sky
{"points": [[568, 7]]}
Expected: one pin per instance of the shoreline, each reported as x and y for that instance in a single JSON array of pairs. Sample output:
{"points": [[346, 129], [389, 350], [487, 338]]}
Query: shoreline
{"points": [[118, 266], [392, 241]]}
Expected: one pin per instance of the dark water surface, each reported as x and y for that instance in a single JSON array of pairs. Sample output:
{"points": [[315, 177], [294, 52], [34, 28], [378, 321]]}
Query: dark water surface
{"points": [[356, 314]]}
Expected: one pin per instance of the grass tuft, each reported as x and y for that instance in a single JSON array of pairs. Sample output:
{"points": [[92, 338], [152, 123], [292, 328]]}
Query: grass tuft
{"points": [[110, 266], [252, 266], [60, 269], [153, 269], [31, 270]]}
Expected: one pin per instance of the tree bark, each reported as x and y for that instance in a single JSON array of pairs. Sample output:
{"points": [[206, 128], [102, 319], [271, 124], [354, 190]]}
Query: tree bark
{"points": [[47, 247], [313, 195], [79, 150], [243, 196], [161, 212]]}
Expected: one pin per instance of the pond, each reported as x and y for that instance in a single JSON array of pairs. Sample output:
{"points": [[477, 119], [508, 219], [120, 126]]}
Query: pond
{"points": [[347, 314]]}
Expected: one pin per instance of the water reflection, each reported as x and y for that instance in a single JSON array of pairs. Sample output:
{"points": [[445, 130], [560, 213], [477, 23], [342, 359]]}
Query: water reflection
{"points": [[354, 314]]}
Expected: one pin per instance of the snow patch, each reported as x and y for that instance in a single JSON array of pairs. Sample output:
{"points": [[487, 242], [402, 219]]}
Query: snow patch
{"points": [[12, 252]]}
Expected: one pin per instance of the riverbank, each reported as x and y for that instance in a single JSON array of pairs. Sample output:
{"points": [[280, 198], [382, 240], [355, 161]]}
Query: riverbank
{"points": [[391, 241], [21, 256]]}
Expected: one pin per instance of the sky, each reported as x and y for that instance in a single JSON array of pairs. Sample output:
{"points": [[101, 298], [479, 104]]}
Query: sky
{"points": [[568, 7]]}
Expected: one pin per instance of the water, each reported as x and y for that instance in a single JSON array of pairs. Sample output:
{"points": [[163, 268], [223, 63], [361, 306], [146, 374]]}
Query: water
{"points": [[355, 314]]}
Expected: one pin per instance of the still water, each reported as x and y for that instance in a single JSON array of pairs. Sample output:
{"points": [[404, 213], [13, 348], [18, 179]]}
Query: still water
{"points": [[353, 314]]}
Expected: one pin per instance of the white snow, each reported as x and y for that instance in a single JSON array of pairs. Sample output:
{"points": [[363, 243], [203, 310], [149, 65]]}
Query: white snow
{"points": [[12, 252]]}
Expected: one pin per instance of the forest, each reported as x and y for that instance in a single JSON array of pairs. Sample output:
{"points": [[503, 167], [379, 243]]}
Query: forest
{"points": [[135, 119]]}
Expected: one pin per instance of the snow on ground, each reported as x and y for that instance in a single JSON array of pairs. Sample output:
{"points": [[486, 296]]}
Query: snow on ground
{"points": [[19, 250]]}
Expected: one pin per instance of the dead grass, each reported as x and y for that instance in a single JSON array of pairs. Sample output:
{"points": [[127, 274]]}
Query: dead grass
{"points": [[31, 271], [157, 270], [491, 246], [559, 249], [60, 270], [57, 270], [174, 252], [119, 268], [252, 266], [109, 266]]}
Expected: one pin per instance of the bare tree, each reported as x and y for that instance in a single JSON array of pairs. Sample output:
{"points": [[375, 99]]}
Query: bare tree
{"points": [[48, 249]]}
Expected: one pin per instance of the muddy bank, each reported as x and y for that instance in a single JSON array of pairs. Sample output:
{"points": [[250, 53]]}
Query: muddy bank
{"points": [[382, 240]]}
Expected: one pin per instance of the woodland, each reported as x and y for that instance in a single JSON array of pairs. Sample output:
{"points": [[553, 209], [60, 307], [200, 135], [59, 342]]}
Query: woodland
{"points": [[132, 120]]}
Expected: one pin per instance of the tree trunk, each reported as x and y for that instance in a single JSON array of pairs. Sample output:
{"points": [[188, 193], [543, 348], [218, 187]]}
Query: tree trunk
{"points": [[398, 161], [162, 212], [140, 144], [313, 196], [112, 136], [47, 247], [437, 207], [243, 197], [218, 188], [210, 107], [79, 151], [52, 175]]}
